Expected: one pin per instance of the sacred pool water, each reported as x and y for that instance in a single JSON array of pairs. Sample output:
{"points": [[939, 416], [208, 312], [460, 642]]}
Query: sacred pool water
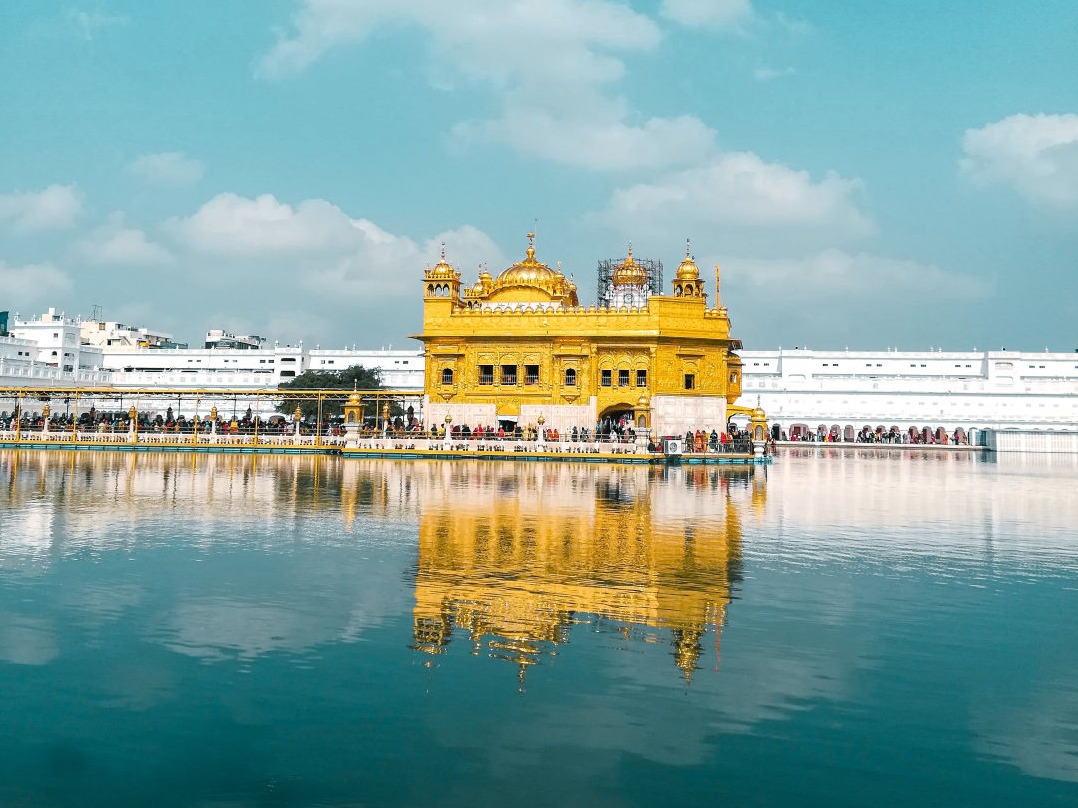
{"points": [[868, 628]]}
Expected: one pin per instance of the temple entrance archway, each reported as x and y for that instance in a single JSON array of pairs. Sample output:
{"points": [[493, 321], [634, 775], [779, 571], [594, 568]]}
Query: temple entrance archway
{"points": [[616, 417]]}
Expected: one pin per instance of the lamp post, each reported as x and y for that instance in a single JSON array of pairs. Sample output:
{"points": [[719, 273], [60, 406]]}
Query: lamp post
{"points": [[448, 422]]}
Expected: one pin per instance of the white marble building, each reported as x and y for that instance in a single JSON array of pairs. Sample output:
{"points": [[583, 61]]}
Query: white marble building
{"points": [[953, 390]]}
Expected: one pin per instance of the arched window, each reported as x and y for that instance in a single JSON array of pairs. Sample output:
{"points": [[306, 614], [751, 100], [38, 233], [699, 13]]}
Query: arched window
{"points": [[733, 378], [447, 375], [570, 377]]}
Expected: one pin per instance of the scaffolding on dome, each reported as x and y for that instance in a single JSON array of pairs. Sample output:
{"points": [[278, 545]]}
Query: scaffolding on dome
{"points": [[605, 273]]}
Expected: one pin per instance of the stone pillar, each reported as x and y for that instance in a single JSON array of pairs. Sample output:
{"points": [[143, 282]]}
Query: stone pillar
{"points": [[132, 424], [353, 417], [758, 431], [643, 433]]}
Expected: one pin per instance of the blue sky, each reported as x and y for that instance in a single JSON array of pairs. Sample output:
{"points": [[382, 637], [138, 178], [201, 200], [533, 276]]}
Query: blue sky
{"points": [[867, 174]]}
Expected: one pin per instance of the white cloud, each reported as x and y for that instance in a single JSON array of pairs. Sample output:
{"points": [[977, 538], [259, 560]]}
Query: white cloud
{"points": [[315, 251], [552, 64], [1037, 155], [232, 224], [712, 13], [607, 145], [167, 168], [89, 23], [33, 283], [829, 297], [113, 244], [497, 40], [844, 276], [54, 208], [771, 73], [746, 202]]}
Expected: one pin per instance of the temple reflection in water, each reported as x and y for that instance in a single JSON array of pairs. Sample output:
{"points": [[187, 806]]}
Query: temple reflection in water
{"points": [[515, 557]]}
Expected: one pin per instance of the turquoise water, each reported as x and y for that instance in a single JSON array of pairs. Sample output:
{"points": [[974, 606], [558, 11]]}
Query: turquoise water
{"points": [[862, 629]]}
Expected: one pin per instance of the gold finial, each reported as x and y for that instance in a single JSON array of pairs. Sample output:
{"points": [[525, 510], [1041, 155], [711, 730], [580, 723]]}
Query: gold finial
{"points": [[718, 304], [688, 247]]}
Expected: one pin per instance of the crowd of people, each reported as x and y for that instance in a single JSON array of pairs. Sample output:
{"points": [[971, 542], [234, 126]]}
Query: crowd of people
{"points": [[249, 423], [93, 421], [912, 436], [695, 441]]}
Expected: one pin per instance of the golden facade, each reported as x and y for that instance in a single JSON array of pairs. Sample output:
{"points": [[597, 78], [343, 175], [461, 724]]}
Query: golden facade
{"points": [[520, 348]]}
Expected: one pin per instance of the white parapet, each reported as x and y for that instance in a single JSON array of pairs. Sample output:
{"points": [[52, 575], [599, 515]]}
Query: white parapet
{"points": [[1029, 440]]}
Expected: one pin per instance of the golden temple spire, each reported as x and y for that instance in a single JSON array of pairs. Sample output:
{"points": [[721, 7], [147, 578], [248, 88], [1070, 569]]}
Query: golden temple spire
{"points": [[718, 299], [531, 249]]}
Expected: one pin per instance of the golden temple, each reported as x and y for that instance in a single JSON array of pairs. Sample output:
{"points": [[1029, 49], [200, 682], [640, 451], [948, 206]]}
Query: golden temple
{"points": [[520, 348]]}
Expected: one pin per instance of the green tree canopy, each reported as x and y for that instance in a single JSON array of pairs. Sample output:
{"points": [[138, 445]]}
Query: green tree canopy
{"points": [[356, 377]]}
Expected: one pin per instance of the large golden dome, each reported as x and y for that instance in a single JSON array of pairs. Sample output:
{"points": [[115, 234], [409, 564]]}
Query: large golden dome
{"points": [[528, 272], [629, 273], [526, 282]]}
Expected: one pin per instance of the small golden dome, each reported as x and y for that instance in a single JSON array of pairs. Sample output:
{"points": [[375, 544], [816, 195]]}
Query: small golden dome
{"points": [[442, 269], [630, 273], [687, 269]]}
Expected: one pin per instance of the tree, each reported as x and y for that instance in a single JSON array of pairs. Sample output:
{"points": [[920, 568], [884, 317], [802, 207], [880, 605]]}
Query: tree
{"points": [[356, 377]]}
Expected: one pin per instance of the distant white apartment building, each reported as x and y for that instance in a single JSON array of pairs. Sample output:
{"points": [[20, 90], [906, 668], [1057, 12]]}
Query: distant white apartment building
{"points": [[217, 338], [113, 335], [48, 350]]}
